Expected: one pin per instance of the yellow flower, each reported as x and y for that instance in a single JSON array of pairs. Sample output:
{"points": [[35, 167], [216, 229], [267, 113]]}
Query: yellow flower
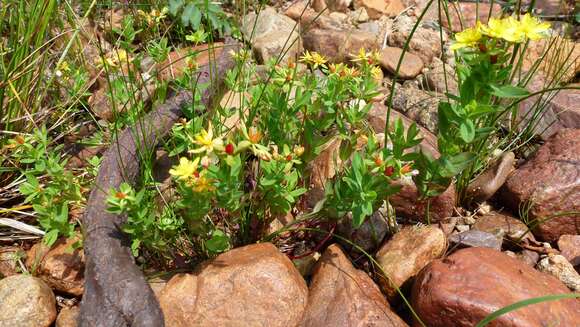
{"points": [[313, 58], [467, 38], [207, 142], [377, 73], [533, 28], [203, 184], [335, 69], [185, 170], [366, 57], [254, 135], [495, 28]]}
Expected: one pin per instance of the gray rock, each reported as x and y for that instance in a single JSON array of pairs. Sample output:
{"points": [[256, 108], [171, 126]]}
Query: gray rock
{"points": [[268, 32], [26, 301], [476, 238], [369, 235]]}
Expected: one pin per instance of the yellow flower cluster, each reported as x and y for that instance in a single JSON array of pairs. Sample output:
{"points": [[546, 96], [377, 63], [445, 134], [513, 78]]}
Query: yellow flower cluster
{"points": [[509, 29], [314, 59], [187, 172]]}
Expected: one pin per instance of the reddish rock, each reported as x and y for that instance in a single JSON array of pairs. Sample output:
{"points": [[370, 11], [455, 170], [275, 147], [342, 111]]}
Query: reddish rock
{"points": [[437, 75], [177, 61], [465, 287], [9, 257], [409, 251], [550, 182], [62, 267], [470, 12], [406, 202], [419, 105], [341, 295], [254, 285], [425, 43], [569, 246], [337, 45], [378, 8], [411, 66]]}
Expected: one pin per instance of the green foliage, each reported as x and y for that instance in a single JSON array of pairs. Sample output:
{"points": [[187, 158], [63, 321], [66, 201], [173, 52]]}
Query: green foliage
{"points": [[49, 186], [199, 13]]}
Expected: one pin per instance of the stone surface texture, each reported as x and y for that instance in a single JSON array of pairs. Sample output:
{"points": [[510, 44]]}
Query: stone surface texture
{"points": [[341, 295], [484, 186], [26, 301], [569, 246], [476, 238], [551, 182], [411, 66], [465, 287], [254, 285], [61, 267], [67, 317], [409, 251], [562, 269]]}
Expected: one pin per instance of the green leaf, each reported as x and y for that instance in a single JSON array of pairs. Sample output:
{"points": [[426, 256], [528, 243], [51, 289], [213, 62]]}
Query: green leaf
{"points": [[174, 6], [467, 131], [51, 237], [509, 91], [219, 242]]}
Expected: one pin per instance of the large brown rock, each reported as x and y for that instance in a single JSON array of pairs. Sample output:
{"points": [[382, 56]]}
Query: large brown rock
{"points": [[62, 267], [501, 224], [26, 301], [378, 8], [409, 251], [550, 181], [338, 45], [472, 283], [68, 317], [484, 186], [9, 257], [255, 285], [411, 66], [406, 202], [268, 32], [341, 295], [425, 43]]}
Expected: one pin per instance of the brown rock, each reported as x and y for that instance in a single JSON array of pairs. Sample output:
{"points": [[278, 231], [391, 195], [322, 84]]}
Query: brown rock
{"points": [[338, 5], [409, 251], [435, 78], [378, 8], [501, 225], [309, 18], [425, 43], [26, 301], [411, 66], [554, 7], [9, 256], [268, 32], [61, 267], [337, 45], [558, 58], [177, 60], [569, 246], [484, 186], [418, 105], [406, 202], [472, 283], [557, 266], [341, 295], [469, 13], [68, 317], [254, 285], [322, 169], [80, 158], [550, 182]]}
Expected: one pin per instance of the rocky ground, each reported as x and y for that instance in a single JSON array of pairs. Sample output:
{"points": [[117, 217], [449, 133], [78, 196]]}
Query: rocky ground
{"points": [[454, 272]]}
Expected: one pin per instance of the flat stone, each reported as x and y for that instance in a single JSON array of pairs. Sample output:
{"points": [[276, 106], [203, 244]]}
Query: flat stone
{"points": [[476, 238], [409, 251], [411, 66], [62, 267], [470, 284], [569, 246], [550, 180], [341, 295], [559, 267], [254, 285], [26, 301]]}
